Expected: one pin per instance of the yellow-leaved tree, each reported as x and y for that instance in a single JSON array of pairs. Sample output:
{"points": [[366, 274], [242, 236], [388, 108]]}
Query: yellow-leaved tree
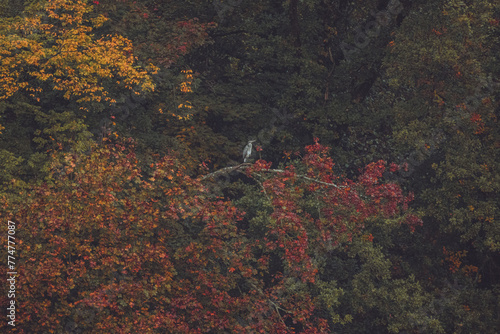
{"points": [[52, 47]]}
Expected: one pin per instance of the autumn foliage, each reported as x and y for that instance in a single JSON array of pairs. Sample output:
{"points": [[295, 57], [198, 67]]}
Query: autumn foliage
{"points": [[58, 50], [369, 203], [109, 248]]}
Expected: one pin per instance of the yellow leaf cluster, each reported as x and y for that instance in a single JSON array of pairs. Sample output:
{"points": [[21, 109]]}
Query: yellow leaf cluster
{"points": [[185, 87], [66, 55]]}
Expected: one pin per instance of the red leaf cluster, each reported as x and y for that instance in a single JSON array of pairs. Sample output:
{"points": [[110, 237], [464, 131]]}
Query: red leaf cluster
{"points": [[109, 249]]}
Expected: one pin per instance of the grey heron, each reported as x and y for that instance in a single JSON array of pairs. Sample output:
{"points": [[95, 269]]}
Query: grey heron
{"points": [[247, 151]]}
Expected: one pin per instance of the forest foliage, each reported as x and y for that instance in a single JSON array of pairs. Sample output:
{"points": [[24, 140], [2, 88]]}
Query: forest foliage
{"points": [[369, 203]]}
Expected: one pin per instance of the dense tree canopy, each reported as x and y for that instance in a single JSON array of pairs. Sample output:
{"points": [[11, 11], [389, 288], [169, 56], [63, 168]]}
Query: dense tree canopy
{"points": [[369, 204]]}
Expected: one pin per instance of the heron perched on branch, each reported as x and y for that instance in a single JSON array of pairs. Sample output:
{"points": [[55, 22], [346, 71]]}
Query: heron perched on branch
{"points": [[247, 151]]}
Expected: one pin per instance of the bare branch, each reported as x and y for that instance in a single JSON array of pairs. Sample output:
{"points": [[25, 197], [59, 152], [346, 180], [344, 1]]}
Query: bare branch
{"points": [[246, 165], [225, 170]]}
